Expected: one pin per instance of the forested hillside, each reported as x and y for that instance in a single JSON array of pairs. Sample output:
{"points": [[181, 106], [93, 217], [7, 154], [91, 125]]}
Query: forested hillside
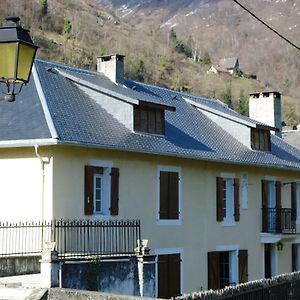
{"points": [[174, 43]]}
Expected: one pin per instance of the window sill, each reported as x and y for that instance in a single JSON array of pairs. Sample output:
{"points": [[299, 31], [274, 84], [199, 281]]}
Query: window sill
{"points": [[228, 223], [97, 216], [169, 222]]}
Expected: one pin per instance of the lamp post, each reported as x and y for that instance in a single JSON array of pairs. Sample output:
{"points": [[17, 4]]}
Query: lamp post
{"points": [[17, 53]]}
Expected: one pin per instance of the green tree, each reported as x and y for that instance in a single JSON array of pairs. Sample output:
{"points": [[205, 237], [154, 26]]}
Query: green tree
{"points": [[43, 7], [206, 58], [173, 38], [138, 70], [228, 97], [243, 103], [67, 28]]}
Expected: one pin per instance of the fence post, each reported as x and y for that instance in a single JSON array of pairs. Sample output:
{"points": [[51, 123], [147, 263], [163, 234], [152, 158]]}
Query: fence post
{"points": [[49, 266]]}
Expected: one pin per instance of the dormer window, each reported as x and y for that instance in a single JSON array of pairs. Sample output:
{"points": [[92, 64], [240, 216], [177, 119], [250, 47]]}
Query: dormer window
{"points": [[260, 139], [149, 119]]}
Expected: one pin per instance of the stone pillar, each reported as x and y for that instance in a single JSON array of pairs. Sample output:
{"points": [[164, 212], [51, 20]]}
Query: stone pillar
{"points": [[49, 266]]}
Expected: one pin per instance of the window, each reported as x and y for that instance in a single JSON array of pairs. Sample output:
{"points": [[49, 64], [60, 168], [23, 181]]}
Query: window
{"points": [[98, 193], [260, 139], [149, 119], [169, 193], [228, 200], [271, 204], [295, 201], [227, 268], [101, 190]]}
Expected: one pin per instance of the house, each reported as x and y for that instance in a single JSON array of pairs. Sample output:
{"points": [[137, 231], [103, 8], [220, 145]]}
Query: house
{"points": [[226, 65], [292, 135], [216, 192]]}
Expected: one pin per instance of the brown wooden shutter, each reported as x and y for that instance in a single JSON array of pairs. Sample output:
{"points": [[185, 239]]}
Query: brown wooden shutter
{"points": [[294, 200], [243, 266], [163, 195], [236, 199], [220, 197], [88, 190], [173, 196], [264, 197], [294, 257], [114, 203], [213, 263], [169, 276], [174, 275], [163, 278]]}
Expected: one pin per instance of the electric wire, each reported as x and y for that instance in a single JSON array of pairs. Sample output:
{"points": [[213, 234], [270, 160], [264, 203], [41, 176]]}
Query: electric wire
{"points": [[265, 24]]}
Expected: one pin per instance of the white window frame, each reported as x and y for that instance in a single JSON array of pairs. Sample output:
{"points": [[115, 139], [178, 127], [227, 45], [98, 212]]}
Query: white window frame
{"points": [[271, 191], [298, 201], [106, 190], [167, 251], [229, 181], [169, 169], [96, 176]]}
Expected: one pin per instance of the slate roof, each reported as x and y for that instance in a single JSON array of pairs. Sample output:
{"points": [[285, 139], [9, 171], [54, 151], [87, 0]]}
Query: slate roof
{"points": [[228, 63], [292, 137], [79, 120]]}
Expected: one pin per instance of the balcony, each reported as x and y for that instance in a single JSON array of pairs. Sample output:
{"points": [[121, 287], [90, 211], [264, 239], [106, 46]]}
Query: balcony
{"points": [[279, 220]]}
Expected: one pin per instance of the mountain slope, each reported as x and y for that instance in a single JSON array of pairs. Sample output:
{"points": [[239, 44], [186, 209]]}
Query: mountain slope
{"points": [[75, 32]]}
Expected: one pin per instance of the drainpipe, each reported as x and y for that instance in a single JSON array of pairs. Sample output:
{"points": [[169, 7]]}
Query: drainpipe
{"points": [[36, 150]]}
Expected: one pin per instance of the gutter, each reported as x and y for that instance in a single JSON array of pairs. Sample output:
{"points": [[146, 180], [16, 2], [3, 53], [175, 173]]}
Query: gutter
{"points": [[28, 143]]}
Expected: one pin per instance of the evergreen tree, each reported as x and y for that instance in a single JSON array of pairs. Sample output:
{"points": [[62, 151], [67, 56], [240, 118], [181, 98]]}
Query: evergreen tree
{"points": [[228, 97], [67, 28], [43, 7], [243, 104], [206, 58]]}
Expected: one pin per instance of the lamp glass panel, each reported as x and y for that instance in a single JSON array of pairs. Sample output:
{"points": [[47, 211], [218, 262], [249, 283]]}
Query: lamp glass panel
{"points": [[25, 60], [7, 60]]}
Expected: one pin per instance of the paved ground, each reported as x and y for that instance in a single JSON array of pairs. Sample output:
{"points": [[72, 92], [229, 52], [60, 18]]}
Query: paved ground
{"points": [[24, 287], [27, 281]]}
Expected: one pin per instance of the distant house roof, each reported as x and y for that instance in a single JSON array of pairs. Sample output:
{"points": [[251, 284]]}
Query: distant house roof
{"points": [[229, 63], [53, 108], [292, 135]]}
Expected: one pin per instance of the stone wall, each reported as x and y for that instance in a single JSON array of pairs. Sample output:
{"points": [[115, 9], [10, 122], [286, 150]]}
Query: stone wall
{"points": [[124, 276], [12, 266]]}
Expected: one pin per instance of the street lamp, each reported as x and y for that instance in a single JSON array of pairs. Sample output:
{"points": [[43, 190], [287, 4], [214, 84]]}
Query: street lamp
{"points": [[17, 53]]}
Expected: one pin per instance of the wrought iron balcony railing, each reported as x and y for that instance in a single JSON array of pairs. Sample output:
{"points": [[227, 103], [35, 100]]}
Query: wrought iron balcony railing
{"points": [[279, 220]]}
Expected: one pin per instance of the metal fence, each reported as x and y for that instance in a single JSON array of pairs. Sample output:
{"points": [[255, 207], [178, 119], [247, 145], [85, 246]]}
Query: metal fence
{"points": [[73, 239], [282, 287], [279, 220]]}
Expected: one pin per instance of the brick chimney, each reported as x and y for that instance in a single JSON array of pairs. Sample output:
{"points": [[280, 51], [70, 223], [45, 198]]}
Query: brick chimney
{"points": [[112, 66], [265, 107]]}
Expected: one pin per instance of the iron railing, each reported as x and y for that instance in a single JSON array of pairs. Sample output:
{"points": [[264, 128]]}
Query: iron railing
{"points": [[73, 239], [279, 220]]}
